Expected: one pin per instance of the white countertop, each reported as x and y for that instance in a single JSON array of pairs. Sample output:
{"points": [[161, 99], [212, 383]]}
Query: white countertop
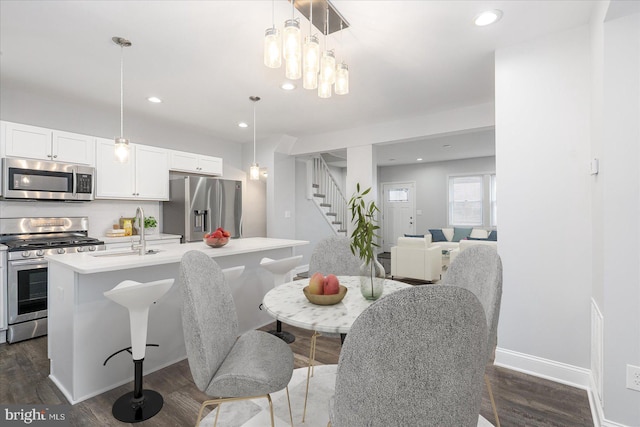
{"points": [[148, 237], [88, 263], [3, 248]]}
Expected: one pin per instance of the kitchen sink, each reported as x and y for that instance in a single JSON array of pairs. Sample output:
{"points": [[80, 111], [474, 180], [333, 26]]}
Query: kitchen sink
{"points": [[127, 253]]}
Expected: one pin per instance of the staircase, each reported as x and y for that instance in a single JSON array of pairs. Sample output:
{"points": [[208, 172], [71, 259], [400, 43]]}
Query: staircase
{"points": [[328, 197]]}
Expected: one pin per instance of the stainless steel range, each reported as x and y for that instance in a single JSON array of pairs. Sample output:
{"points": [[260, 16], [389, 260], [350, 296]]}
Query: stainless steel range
{"points": [[28, 240]]}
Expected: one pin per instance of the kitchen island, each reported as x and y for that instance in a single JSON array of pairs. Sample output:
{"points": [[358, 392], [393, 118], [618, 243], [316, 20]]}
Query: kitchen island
{"points": [[85, 327]]}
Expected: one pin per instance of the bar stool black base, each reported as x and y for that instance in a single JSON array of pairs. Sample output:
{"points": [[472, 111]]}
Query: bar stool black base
{"points": [[285, 336], [128, 411]]}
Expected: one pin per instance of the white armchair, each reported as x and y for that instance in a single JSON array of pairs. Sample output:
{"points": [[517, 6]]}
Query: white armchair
{"points": [[416, 258]]}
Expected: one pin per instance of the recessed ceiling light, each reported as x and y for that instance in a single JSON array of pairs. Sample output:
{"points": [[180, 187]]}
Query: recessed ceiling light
{"points": [[488, 17], [243, 125], [288, 86], [419, 159], [154, 99]]}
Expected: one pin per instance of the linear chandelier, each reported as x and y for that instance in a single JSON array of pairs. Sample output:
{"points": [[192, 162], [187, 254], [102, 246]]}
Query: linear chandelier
{"points": [[317, 69]]}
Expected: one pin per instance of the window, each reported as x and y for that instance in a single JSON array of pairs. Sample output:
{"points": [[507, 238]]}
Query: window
{"points": [[465, 200], [399, 195], [494, 203]]}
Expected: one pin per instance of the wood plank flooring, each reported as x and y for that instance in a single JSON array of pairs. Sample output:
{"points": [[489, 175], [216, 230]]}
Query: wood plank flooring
{"points": [[522, 400]]}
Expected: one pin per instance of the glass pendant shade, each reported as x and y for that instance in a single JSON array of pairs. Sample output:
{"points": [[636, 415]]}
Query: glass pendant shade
{"points": [[328, 67], [122, 149], [254, 172], [310, 79], [293, 68], [291, 42], [324, 88], [342, 79], [272, 54], [311, 54]]}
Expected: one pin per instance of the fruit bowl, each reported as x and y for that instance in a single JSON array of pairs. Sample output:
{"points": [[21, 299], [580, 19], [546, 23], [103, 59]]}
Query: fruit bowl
{"points": [[325, 299], [216, 242]]}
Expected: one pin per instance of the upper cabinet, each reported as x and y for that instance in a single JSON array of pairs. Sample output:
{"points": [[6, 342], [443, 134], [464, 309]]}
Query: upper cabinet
{"points": [[144, 176], [33, 142], [182, 161]]}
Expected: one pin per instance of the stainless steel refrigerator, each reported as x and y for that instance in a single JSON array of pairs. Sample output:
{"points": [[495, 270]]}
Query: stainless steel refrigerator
{"points": [[199, 205]]}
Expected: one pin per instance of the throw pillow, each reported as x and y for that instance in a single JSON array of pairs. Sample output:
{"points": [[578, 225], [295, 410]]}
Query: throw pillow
{"points": [[437, 235], [478, 233], [460, 233], [448, 234], [493, 236], [414, 235]]}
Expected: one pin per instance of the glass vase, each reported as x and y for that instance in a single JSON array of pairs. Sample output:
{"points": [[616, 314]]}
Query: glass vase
{"points": [[372, 279]]}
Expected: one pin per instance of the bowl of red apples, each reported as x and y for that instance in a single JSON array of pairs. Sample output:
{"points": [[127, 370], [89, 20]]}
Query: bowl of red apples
{"points": [[324, 290], [218, 238]]}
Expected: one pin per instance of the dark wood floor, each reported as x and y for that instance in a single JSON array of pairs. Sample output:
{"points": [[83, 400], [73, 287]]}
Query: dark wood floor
{"points": [[522, 400]]}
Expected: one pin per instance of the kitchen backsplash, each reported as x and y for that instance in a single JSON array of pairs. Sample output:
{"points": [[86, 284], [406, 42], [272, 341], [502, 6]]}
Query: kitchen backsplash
{"points": [[102, 214]]}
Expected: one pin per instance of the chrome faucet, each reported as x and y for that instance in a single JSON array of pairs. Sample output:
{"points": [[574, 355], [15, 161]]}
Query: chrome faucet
{"points": [[142, 247]]}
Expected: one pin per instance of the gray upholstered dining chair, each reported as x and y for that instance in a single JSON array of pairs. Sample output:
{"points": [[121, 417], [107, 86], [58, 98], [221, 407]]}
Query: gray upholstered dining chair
{"points": [[223, 364], [333, 256], [413, 358], [479, 270]]}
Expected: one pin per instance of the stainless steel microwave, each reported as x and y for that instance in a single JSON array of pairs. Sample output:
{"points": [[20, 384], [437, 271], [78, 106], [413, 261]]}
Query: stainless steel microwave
{"points": [[40, 180]]}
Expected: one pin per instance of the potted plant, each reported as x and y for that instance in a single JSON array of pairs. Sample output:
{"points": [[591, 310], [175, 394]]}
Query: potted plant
{"points": [[363, 216], [150, 225]]}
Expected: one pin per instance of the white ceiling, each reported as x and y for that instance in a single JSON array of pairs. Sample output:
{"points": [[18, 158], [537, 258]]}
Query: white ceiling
{"points": [[204, 58]]}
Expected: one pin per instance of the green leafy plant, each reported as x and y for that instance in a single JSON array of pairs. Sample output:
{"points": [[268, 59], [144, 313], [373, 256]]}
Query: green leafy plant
{"points": [[150, 222], [363, 215]]}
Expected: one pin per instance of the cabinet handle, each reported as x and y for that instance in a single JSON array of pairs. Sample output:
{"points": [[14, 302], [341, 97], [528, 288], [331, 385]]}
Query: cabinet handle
{"points": [[49, 155], [55, 156]]}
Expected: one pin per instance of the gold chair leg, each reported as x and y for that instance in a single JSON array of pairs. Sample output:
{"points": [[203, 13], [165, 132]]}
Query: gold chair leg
{"points": [[273, 424], [289, 401], [215, 421], [221, 400], [312, 356], [493, 402]]}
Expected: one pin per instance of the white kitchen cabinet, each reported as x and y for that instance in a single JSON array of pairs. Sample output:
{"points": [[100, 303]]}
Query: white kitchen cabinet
{"points": [[182, 161], [3, 298], [34, 142], [144, 176]]}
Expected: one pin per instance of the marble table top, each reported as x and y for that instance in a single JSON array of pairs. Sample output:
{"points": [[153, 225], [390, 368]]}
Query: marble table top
{"points": [[288, 304]]}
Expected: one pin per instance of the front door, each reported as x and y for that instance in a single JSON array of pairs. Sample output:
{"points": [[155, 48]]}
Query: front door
{"points": [[398, 209]]}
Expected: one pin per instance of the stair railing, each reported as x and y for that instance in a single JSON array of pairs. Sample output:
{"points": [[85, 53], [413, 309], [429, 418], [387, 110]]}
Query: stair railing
{"points": [[329, 188]]}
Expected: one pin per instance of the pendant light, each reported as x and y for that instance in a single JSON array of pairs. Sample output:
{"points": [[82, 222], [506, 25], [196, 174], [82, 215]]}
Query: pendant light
{"points": [[342, 73], [254, 170], [121, 143], [291, 47], [327, 66], [311, 55], [272, 53]]}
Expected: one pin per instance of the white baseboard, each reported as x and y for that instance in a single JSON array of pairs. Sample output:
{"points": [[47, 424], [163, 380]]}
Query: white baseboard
{"points": [[544, 368], [562, 373]]}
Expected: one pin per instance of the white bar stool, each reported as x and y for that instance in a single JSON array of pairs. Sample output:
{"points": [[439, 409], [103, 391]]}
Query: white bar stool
{"points": [[232, 273], [138, 405], [281, 269]]}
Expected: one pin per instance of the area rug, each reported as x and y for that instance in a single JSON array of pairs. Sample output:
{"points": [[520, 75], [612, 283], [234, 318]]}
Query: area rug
{"points": [[255, 413]]}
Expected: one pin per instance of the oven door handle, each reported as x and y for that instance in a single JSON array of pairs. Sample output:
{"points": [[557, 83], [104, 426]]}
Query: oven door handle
{"points": [[18, 263]]}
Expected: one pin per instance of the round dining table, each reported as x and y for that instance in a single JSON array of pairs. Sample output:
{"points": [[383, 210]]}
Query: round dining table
{"points": [[288, 304]]}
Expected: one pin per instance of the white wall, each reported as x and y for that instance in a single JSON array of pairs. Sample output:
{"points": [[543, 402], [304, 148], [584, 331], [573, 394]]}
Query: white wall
{"points": [[621, 204], [432, 185], [542, 161]]}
